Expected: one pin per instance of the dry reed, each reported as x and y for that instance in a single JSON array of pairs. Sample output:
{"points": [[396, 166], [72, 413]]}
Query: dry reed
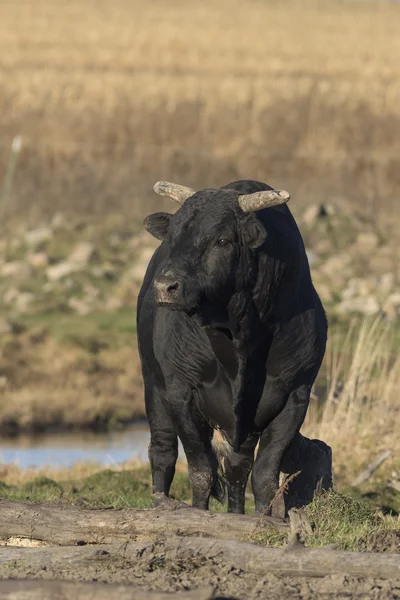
{"points": [[109, 97]]}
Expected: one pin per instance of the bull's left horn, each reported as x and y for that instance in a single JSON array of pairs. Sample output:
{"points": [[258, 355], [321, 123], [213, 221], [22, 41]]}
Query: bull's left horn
{"points": [[259, 200], [178, 193]]}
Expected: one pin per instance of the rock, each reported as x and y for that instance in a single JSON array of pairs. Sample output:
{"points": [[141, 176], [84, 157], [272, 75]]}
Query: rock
{"points": [[58, 222], [366, 305], [3, 382], [337, 265], [358, 287], [385, 284], [5, 326], [311, 214], [82, 254], [23, 302], [10, 295], [367, 241], [79, 305], [113, 303], [317, 211], [391, 307], [60, 270], [18, 269], [106, 271], [38, 236], [38, 259], [137, 272], [90, 291], [324, 291], [313, 258]]}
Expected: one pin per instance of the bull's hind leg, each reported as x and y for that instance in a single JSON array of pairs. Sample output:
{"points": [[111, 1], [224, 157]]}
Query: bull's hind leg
{"points": [[274, 442], [237, 467], [163, 448]]}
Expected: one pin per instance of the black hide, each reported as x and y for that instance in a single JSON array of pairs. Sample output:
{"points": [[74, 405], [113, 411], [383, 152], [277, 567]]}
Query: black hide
{"points": [[231, 336]]}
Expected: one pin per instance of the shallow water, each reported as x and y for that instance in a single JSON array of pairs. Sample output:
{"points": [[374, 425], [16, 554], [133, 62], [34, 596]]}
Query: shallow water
{"points": [[65, 449]]}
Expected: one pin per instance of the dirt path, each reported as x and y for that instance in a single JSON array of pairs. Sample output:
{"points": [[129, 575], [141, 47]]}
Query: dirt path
{"points": [[152, 571], [177, 549]]}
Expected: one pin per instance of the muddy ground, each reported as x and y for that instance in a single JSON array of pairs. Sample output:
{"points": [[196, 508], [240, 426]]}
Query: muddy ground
{"points": [[153, 570]]}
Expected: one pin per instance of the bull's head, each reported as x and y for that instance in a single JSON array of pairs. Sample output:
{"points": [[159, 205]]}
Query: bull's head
{"points": [[210, 241]]}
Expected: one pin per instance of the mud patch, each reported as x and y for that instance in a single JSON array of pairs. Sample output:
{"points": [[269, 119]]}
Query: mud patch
{"points": [[154, 569]]}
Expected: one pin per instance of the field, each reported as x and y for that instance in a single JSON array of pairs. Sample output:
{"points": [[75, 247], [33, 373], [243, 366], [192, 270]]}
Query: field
{"points": [[107, 98]]}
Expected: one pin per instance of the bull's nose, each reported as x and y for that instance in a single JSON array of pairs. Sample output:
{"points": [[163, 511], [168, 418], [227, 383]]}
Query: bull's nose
{"points": [[166, 288]]}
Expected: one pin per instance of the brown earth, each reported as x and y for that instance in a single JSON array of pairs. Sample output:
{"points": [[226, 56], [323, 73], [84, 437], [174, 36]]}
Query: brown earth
{"points": [[152, 572]]}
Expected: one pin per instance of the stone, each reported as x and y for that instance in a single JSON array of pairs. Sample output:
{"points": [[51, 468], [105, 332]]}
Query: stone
{"points": [[137, 272], [385, 284], [24, 301], [10, 295], [336, 265], [324, 292], [367, 241], [113, 303], [366, 305], [38, 236], [3, 382], [79, 305], [358, 287], [81, 254], [37, 259], [60, 270], [391, 307], [90, 291], [311, 214], [313, 258], [5, 326], [17, 269], [58, 222]]}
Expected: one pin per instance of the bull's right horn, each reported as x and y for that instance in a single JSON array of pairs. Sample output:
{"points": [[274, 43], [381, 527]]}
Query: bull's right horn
{"points": [[265, 199], [178, 193]]}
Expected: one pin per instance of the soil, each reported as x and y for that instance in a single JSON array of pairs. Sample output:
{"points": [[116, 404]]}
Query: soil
{"points": [[152, 571]]}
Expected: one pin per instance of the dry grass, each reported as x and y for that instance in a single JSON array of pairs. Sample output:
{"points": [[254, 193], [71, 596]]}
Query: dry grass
{"points": [[360, 417], [111, 96]]}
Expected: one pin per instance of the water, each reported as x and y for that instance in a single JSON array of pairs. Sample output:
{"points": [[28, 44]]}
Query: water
{"points": [[65, 449]]}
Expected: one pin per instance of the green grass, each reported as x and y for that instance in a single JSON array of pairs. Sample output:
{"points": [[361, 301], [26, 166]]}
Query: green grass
{"points": [[347, 521], [91, 332]]}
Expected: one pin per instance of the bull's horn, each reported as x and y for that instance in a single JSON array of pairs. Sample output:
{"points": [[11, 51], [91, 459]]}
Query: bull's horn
{"points": [[178, 193], [259, 200]]}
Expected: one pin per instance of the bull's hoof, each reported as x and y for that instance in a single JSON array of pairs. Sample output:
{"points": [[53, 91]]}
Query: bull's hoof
{"points": [[161, 501]]}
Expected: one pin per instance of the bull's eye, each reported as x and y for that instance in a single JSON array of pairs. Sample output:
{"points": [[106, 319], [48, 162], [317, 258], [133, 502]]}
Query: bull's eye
{"points": [[224, 241]]}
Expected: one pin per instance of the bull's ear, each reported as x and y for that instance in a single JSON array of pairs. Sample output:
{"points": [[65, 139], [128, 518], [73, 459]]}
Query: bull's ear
{"points": [[254, 233], [158, 224]]}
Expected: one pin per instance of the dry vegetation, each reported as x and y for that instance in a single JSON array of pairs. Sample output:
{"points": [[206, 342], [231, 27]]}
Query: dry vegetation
{"points": [[109, 97]]}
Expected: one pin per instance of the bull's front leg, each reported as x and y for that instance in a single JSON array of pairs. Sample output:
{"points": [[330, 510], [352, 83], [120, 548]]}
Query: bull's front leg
{"points": [[274, 442], [196, 435]]}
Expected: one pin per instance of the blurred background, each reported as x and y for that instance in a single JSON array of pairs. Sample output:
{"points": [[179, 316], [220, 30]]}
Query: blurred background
{"points": [[98, 100]]}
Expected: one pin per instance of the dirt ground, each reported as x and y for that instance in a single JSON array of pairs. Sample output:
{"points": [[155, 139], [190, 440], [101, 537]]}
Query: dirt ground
{"points": [[155, 571]]}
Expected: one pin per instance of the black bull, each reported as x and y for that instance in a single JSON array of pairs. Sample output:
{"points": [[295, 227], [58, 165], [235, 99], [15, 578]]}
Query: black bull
{"points": [[231, 336]]}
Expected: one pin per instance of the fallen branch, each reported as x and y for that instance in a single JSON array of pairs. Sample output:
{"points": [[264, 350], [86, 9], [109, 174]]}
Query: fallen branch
{"points": [[14, 589], [71, 525], [181, 551], [370, 470]]}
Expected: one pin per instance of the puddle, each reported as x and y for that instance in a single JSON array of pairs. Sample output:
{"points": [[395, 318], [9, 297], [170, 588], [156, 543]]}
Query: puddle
{"points": [[65, 449]]}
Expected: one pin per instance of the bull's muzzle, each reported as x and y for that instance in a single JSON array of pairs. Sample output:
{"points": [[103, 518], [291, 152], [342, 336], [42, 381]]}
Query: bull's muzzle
{"points": [[167, 289]]}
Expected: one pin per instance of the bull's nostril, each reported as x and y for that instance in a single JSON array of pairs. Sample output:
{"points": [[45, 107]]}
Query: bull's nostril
{"points": [[172, 287]]}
